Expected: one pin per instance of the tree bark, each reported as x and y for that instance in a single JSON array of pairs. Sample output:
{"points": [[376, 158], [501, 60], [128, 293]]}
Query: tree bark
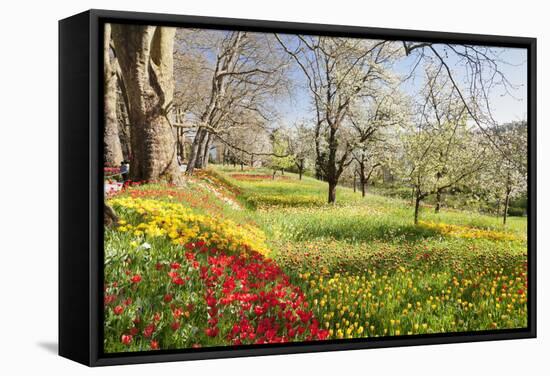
{"points": [[438, 201], [199, 163], [417, 200], [109, 216], [331, 192], [362, 179], [195, 150], [331, 167], [206, 155], [506, 204], [111, 140], [145, 55]]}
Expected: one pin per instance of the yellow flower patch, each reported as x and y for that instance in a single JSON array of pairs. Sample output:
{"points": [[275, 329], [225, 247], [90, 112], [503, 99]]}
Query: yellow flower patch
{"points": [[469, 232], [181, 225]]}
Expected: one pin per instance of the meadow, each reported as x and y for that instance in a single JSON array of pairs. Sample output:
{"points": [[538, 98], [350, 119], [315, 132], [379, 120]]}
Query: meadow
{"points": [[237, 257]]}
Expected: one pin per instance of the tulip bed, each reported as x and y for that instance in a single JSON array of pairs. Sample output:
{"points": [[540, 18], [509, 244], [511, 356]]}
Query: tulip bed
{"points": [[221, 262]]}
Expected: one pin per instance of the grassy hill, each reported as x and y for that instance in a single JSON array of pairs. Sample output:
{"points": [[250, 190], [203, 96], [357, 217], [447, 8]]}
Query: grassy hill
{"points": [[359, 268]]}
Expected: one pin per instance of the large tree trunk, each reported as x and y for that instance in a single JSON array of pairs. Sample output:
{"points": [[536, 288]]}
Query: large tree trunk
{"points": [[145, 55], [203, 152], [195, 150], [111, 140], [122, 114]]}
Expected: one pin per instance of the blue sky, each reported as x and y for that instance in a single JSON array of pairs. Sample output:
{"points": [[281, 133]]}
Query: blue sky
{"points": [[506, 107]]}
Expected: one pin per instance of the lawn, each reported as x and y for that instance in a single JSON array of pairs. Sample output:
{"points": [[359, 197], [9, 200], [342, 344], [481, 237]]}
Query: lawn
{"points": [[237, 257]]}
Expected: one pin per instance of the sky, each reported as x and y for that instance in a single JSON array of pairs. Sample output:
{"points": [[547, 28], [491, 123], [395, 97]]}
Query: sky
{"points": [[506, 107]]}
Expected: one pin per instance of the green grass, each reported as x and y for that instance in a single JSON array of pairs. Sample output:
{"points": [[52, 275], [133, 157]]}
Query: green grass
{"points": [[376, 234], [364, 267], [297, 209]]}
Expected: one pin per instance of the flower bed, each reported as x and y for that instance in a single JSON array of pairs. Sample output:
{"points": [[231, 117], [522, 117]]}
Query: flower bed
{"points": [[469, 232], [163, 292], [158, 218]]}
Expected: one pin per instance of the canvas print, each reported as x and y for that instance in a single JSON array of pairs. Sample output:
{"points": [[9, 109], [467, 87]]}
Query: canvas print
{"points": [[264, 188]]}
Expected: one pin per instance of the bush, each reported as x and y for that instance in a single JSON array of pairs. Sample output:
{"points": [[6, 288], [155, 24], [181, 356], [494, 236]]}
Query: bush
{"points": [[516, 212]]}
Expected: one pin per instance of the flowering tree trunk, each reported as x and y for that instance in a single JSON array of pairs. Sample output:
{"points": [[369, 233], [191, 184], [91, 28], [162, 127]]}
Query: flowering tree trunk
{"points": [[145, 55], [111, 140]]}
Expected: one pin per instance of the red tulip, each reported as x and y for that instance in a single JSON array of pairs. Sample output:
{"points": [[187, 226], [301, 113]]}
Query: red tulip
{"points": [[126, 339], [178, 280], [149, 330], [212, 332]]}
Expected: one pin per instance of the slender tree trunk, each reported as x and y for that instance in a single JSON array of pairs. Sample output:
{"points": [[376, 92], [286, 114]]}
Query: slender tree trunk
{"points": [[331, 192], [506, 204], [354, 181], [145, 56], [282, 171], [331, 167], [242, 161], [300, 165], [111, 141], [273, 176], [417, 200], [206, 152], [363, 188], [438, 201], [362, 178], [181, 140]]}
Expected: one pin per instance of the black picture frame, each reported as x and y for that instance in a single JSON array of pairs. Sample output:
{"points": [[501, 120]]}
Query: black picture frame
{"points": [[81, 186]]}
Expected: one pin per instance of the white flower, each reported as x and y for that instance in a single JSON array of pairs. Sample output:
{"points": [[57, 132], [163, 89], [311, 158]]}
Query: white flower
{"points": [[145, 246]]}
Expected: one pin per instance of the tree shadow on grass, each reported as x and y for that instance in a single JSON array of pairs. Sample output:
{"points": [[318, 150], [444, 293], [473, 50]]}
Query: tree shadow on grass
{"points": [[384, 232]]}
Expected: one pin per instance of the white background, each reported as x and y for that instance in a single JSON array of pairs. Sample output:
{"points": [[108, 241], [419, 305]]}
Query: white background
{"points": [[28, 161]]}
